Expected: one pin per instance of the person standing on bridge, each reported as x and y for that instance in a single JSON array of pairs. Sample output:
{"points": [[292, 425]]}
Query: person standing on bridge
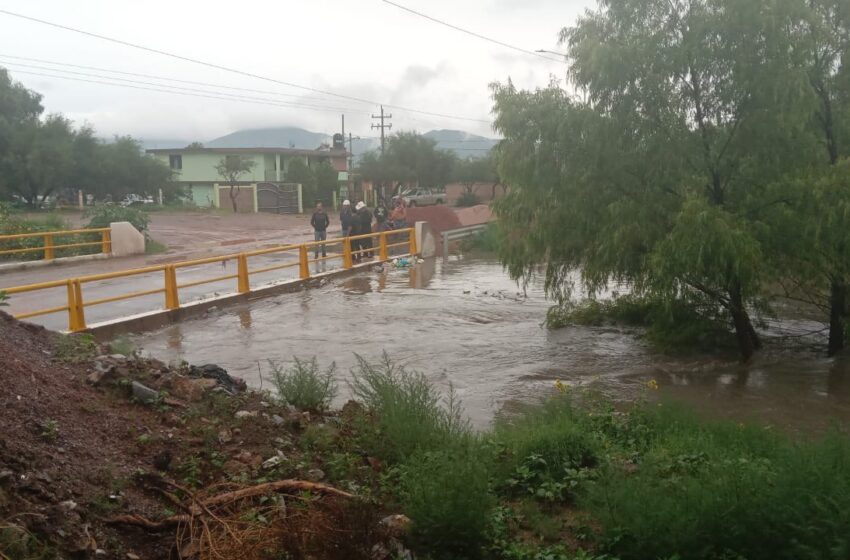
{"points": [[320, 223], [364, 219], [345, 218], [399, 214]]}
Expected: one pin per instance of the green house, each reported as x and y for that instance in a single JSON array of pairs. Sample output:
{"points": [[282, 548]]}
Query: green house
{"points": [[194, 168]]}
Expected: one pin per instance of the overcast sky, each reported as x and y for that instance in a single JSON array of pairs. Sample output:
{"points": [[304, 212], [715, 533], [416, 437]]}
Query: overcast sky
{"points": [[360, 48]]}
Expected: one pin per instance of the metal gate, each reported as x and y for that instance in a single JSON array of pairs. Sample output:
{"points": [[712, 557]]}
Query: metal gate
{"points": [[277, 198]]}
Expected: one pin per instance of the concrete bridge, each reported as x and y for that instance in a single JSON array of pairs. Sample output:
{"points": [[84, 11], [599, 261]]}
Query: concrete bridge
{"points": [[146, 297]]}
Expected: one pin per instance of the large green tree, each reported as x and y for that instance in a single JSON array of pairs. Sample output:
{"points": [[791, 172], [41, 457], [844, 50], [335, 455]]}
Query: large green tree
{"points": [[825, 48], [662, 177], [411, 160], [40, 157]]}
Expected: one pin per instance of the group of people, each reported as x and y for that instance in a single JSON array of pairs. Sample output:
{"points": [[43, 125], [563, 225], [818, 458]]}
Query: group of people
{"points": [[359, 222]]}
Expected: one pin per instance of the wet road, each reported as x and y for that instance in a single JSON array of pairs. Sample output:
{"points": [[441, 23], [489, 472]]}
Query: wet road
{"points": [[466, 323]]}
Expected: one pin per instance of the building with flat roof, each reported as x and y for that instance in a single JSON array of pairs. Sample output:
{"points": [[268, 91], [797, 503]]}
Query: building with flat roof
{"points": [[195, 168]]}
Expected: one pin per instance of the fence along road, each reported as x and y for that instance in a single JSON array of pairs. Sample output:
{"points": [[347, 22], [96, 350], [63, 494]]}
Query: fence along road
{"points": [[74, 304]]}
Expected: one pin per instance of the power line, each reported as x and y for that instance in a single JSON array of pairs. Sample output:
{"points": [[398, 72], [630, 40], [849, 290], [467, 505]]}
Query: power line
{"points": [[151, 76], [228, 69], [237, 99], [468, 32], [193, 90]]}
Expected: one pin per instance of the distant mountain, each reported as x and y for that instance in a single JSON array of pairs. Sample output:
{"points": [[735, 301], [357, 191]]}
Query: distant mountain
{"points": [[163, 143], [280, 137], [462, 143]]}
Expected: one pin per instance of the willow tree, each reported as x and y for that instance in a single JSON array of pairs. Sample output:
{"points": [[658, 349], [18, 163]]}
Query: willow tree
{"points": [[661, 177], [826, 51]]}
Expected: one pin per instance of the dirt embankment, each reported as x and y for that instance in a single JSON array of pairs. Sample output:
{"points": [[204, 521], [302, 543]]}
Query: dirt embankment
{"points": [[123, 458]]}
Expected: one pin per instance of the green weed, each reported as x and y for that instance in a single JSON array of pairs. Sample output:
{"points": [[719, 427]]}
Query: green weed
{"points": [[447, 496], [49, 431], [18, 543], [74, 348], [304, 386], [411, 414]]}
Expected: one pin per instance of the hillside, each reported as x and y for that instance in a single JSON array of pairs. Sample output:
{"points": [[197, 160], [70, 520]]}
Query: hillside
{"points": [[463, 144]]}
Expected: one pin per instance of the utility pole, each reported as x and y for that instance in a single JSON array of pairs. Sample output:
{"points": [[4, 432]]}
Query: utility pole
{"points": [[343, 128], [382, 126], [351, 150]]}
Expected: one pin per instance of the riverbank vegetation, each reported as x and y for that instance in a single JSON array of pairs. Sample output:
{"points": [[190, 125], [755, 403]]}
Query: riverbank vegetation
{"points": [[576, 477], [703, 164], [159, 461]]}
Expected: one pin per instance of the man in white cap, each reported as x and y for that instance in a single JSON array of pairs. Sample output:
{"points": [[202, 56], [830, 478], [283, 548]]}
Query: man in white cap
{"points": [[345, 218]]}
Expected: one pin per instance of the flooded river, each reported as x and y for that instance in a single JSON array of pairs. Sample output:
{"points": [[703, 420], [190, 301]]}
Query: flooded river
{"points": [[466, 323]]}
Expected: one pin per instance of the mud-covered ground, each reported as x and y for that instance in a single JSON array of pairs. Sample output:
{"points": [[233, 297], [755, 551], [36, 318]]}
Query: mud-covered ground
{"points": [[90, 468]]}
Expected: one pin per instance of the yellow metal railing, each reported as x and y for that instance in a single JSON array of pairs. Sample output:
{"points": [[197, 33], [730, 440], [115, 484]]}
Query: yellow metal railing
{"points": [[75, 306], [49, 248]]}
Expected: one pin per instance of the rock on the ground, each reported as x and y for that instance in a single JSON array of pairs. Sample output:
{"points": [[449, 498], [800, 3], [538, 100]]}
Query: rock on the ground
{"points": [[315, 475], [274, 460], [191, 390], [245, 414], [395, 525], [143, 393], [212, 371]]}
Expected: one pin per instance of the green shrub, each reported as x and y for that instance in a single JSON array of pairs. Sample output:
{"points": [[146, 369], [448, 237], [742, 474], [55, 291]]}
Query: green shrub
{"points": [[303, 384], [447, 496], [670, 325], [489, 239], [467, 199], [102, 216], [707, 490], [411, 414], [4, 299], [547, 445], [12, 223]]}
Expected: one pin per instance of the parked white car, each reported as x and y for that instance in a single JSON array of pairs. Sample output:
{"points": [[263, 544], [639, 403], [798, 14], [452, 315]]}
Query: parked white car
{"points": [[423, 197], [135, 200]]}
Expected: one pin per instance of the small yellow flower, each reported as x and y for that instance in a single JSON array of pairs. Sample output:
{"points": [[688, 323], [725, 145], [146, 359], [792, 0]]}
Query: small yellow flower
{"points": [[560, 386], [652, 384]]}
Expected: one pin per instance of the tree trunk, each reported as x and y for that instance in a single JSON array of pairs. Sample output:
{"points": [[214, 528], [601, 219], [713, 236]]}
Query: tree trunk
{"points": [[234, 194], [748, 340], [837, 316]]}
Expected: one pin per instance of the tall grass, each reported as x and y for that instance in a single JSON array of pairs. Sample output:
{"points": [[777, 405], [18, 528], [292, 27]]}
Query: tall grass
{"points": [[653, 481], [304, 385], [411, 414], [719, 490]]}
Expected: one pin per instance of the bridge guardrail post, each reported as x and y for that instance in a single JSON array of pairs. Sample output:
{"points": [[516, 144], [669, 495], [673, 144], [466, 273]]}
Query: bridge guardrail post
{"points": [[383, 255], [72, 316], [105, 242], [303, 262], [412, 237], [172, 298], [78, 316], [347, 261], [48, 247], [242, 266]]}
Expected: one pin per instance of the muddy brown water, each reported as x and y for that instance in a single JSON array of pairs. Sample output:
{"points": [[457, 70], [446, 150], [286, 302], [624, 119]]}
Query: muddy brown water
{"points": [[465, 323]]}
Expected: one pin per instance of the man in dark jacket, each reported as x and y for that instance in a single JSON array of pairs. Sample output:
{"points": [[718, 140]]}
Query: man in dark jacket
{"points": [[345, 218], [320, 223], [364, 219]]}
